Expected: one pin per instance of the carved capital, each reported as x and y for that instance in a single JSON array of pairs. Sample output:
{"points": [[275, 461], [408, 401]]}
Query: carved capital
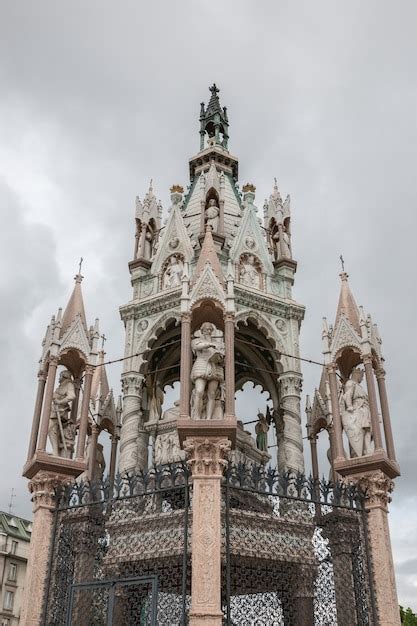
{"points": [[207, 457], [380, 373], [291, 385], [43, 486], [367, 359], [186, 318], [53, 361], [132, 385], [89, 370], [377, 487]]}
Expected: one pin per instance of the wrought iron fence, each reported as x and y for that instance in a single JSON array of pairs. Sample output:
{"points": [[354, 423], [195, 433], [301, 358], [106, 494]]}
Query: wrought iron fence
{"points": [[121, 553], [295, 552]]}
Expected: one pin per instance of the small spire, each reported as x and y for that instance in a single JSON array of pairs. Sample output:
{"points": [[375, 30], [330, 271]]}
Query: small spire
{"points": [[100, 382], [347, 304], [75, 305], [208, 254]]}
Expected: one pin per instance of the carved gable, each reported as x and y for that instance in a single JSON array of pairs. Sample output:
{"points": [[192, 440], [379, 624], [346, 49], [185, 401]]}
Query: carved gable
{"points": [[250, 240], [344, 336], [175, 239], [207, 286], [76, 338]]}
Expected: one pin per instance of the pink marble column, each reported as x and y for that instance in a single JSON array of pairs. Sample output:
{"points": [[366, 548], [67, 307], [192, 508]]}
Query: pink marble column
{"points": [[386, 418], [332, 452], [47, 404], [207, 459], [113, 455], [93, 452], [74, 407], [373, 404], [37, 415], [185, 366], [337, 420], [378, 488], [82, 433], [314, 459], [229, 340], [42, 488]]}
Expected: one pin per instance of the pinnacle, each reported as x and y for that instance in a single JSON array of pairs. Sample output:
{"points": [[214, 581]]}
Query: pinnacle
{"points": [[347, 304], [208, 254], [74, 307], [100, 378]]}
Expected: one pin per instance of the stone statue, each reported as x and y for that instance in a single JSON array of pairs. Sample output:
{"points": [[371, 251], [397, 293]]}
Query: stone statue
{"points": [[173, 273], [212, 215], [261, 430], [167, 449], [207, 372], [99, 463], [155, 401], [249, 275], [61, 429], [282, 244], [356, 418], [147, 253]]}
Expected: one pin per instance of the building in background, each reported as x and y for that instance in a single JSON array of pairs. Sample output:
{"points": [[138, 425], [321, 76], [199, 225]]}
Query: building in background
{"points": [[15, 534]]}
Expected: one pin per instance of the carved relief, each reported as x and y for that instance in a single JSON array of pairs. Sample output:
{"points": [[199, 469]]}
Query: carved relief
{"points": [[250, 271], [173, 271], [207, 457]]}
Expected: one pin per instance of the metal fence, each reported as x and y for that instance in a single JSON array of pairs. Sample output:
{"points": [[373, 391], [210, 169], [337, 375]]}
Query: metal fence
{"points": [[120, 553], [295, 552]]}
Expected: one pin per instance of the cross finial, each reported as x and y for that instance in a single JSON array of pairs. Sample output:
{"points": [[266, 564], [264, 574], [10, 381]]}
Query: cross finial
{"points": [[342, 262], [214, 89], [103, 340], [80, 265]]}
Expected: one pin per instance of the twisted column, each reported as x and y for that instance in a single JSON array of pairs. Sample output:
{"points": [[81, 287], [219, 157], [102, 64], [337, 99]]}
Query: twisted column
{"points": [[132, 442], [290, 455]]}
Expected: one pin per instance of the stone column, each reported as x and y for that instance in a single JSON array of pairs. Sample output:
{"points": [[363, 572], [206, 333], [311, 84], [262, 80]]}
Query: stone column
{"points": [[337, 420], [47, 404], [142, 241], [185, 371], [132, 384], [373, 404], [386, 419], [93, 452], [37, 414], [315, 467], [332, 453], [378, 488], [291, 449], [207, 458], [113, 455], [229, 341], [82, 433], [42, 488], [74, 407]]}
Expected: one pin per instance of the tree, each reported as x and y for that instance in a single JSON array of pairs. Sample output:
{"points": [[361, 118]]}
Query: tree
{"points": [[408, 618]]}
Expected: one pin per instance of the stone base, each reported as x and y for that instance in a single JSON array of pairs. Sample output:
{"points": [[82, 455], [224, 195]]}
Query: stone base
{"points": [[369, 463], [225, 428], [206, 619], [140, 262], [284, 262], [42, 461]]}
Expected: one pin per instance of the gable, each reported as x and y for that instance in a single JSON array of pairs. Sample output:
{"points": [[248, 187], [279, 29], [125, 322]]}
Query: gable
{"points": [[174, 240]]}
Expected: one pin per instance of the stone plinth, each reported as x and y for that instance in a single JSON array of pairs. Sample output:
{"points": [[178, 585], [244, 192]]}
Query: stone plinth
{"points": [[370, 463], [207, 458], [44, 462], [225, 428]]}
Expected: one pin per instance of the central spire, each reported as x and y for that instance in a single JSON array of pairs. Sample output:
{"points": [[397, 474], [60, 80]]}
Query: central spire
{"points": [[214, 121]]}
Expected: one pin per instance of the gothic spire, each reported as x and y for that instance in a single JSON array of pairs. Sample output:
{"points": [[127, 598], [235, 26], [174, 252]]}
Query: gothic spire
{"points": [[208, 254], [214, 121], [347, 305], [75, 306]]}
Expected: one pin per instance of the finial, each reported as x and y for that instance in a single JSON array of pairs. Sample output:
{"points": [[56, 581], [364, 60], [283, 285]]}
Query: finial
{"points": [[78, 277], [275, 182], [342, 262], [150, 186], [103, 340], [214, 89]]}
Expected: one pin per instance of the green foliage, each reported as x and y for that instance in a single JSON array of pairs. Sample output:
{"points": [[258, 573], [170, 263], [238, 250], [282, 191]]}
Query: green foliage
{"points": [[408, 618]]}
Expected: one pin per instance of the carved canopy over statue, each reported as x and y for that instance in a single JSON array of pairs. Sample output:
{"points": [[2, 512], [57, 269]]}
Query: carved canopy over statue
{"points": [[356, 417], [207, 373], [249, 273], [61, 428], [212, 215], [173, 272]]}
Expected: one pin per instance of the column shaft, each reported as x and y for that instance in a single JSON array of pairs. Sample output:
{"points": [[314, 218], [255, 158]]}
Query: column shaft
{"points": [[386, 418], [373, 404], [185, 371], [82, 433], [337, 421], [36, 415], [113, 455], [229, 337], [47, 405], [132, 422], [93, 453]]}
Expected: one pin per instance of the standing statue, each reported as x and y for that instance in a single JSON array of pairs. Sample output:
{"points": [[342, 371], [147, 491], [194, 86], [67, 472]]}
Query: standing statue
{"points": [[156, 398], [356, 417], [261, 430], [207, 372], [249, 275], [173, 273], [61, 429], [212, 215], [147, 253], [282, 243]]}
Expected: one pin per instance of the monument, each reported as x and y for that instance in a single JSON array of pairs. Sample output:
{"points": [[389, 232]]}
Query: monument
{"points": [[206, 518]]}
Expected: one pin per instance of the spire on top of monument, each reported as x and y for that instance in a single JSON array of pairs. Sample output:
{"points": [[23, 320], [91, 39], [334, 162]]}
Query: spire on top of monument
{"points": [[214, 121], [75, 305], [347, 305]]}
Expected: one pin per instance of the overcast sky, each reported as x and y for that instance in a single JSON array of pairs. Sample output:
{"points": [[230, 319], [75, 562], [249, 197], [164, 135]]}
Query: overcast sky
{"points": [[98, 97]]}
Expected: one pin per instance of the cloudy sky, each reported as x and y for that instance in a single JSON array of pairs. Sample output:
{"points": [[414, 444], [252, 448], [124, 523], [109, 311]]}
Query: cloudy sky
{"points": [[98, 97]]}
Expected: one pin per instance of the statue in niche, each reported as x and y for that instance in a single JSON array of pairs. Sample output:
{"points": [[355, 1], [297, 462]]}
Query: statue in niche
{"points": [[212, 215], [147, 253], [155, 401], [356, 417], [173, 273], [61, 429], [167, 449], [207, 372], [249, 274], [261, 431], [282, 243]]}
